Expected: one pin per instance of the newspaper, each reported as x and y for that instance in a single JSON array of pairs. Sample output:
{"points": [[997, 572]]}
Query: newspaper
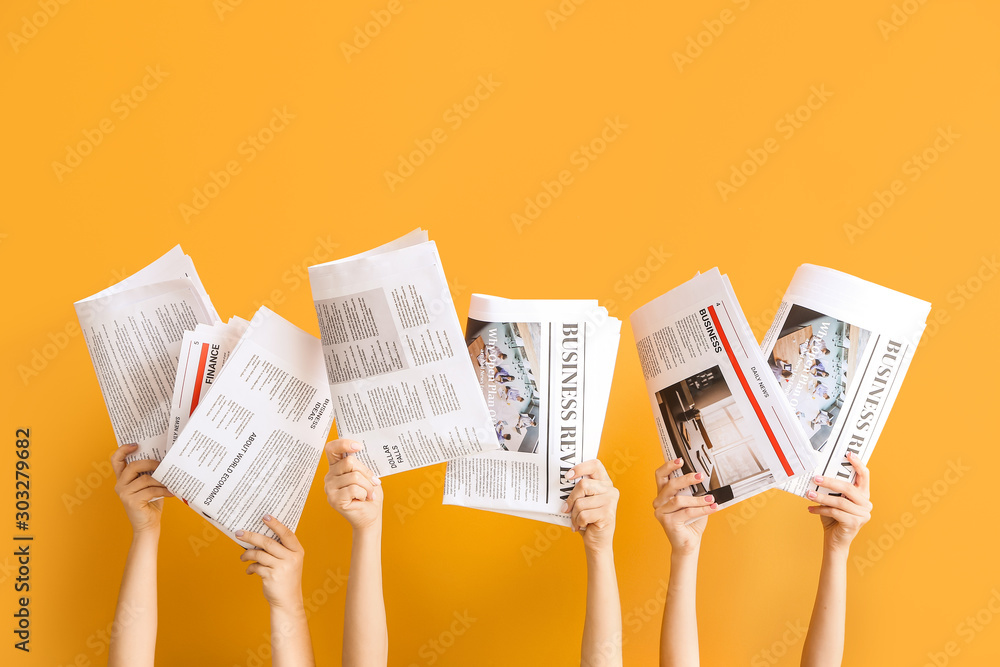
{"points": [[716, 404], [253, 443], [400, 378], [133, 331], [840, 347], [204, 351], [544, 368]]}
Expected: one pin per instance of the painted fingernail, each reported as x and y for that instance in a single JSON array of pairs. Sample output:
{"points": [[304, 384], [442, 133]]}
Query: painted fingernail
{"points": [[565, 508], [818, 479], [376, 481], [699, 476], [715, 506], [811, 495], [239, 533], [709, 499], [570, 473], [677, 462], [267, 517]]}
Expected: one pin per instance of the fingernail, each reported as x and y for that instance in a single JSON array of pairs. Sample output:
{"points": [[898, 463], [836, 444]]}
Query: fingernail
{"points": [[709, 499], [239, 533], [376, 481], [811, 495], [570, 473], [677, 462], [565, 508], [356, 446], [818, 479], [715, 506], [699, 476], [267, 517]]}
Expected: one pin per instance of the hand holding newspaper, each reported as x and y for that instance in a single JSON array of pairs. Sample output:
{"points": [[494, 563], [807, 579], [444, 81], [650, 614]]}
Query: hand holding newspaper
{"points": [[133, 331], [544, 368], [252, 445], [400, 378], [840, 347], [716, 404]]}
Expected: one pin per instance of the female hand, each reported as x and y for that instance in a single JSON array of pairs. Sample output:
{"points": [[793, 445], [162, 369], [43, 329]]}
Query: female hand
{"points": [[673, 510], [137, 490], [351, 488], [844, 515], [279, 564], [592, 505]]}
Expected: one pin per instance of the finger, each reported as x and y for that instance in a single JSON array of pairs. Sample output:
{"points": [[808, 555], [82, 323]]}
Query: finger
{"points": [[143, 482], [592, 468], [685, 481], [259, 556], [586, 487], [678, 503], [352, 479], [840, 516], [664, 495], [257, 568], [268, 544], [136, 468], [148, 495], [842, 487], [118, 458], [348, 494], [589, 503], [284, 533], [842, 504], [338, 449], [691, 513], [664, 472], [598, 517], [863, 479]]}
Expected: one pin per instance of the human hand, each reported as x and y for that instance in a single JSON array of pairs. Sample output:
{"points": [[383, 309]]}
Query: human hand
{"points": [[137, 490], [673, 510], [279, 564], [844, 515], [592, 505], [351, 488]]}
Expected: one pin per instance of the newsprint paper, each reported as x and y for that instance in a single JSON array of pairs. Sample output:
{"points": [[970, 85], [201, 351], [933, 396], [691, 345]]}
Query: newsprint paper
{"points": [[840, 347], [544, 368], [716, 403], [399, 374]]}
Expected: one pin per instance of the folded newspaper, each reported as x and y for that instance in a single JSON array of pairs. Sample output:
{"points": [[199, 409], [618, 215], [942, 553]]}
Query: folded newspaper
{"points": [[716, 403], [134, 331], [544, 368], [401, 381], [256, 436], [839, 348]]}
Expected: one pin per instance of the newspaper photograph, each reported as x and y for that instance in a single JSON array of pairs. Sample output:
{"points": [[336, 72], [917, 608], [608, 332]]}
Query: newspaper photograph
{"points": [[544, 369], [716, 405], [133, 332], [401, 380], [840, 347], [256, 437]]}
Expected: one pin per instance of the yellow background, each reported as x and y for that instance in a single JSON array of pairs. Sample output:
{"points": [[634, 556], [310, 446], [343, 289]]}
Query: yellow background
{"points": [[322, 177]]}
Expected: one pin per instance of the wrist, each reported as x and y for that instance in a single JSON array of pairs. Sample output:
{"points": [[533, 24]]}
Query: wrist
{"points": [[685, 554], [146, 535], [293, 606], [836, 552], [600, 555]]}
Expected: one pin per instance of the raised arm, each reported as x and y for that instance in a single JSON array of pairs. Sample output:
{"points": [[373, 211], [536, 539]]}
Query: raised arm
{"points": [[592, 506], [843, 516], [679, 632], [133, 634], [279, 565], [354, 491]]}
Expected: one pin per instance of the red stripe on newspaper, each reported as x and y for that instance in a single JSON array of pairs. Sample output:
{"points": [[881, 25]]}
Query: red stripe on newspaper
{"points": [[197, 381], [746, 388]]}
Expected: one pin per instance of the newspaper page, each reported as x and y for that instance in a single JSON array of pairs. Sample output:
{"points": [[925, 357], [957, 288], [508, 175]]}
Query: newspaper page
{"points": [[716, 404], [840, 347], [204, 351], [544, 368], [133, 332], [253, 443], [399, 374]]}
